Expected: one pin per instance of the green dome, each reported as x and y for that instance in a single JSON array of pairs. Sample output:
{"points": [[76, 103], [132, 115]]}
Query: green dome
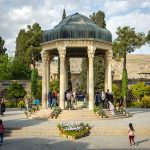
{"points": [[76, 26]]}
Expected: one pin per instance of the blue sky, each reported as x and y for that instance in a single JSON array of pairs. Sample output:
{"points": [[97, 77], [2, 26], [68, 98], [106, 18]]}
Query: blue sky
{"points": [[17, 14]]}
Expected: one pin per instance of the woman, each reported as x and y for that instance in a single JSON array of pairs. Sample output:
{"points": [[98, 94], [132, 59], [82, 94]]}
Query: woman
{"points": [[111, 108]]}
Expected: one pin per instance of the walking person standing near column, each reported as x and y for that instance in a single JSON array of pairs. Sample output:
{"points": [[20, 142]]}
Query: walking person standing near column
{"points": [[103, 98], [131, 134]]}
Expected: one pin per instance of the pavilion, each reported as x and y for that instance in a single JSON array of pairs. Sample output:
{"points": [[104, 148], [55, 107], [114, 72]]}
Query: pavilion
{"points": [[75, 36]]}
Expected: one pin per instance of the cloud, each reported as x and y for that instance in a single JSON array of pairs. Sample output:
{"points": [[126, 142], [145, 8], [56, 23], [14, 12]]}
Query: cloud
{"points": [[134, 19], [21, 14], [114, 7]]}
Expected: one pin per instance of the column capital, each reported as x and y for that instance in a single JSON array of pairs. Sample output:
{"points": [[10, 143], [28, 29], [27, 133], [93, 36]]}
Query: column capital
{"points": [[46, 56], [109, 55], [91, 51], [62, 53]]}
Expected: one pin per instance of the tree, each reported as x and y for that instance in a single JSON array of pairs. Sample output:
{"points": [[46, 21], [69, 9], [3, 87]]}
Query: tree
{"points": [[148, 38], [126, 42], [16, 90], [34, 82], [20, 70], [99, 19], [64, 14], [83, 75], [69, 74], [99, 71], [28, 44], [2, 48]]}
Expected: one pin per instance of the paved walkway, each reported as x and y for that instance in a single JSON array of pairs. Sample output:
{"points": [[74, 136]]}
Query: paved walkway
{"points": [[16, 119], [91, 142]]}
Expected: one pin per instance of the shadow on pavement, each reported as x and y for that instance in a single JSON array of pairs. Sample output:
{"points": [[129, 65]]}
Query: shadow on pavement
{"points": [[141, 141]]}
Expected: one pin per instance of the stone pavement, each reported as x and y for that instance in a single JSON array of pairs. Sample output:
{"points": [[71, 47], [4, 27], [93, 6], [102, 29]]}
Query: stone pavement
{"points": [[90, 142], [140, 120]]}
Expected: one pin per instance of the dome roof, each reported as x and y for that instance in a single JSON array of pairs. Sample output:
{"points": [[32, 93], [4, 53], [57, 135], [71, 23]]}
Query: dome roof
{"points": [[76, 26]]}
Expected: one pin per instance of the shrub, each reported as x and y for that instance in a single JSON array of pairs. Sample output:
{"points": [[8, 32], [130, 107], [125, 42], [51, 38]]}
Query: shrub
{"points": [[140, 90], [135, 104], [9, 104], [145, 102], [21, 104]]}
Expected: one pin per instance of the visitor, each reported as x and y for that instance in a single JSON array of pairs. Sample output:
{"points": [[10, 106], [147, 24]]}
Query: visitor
{"points": [[27, 103], [131, 134], [3, 108], [2, 128], [111, 98], [49, 99], [53, 100], [121, 103], [97, 99], [75, 98], [111, 108], [103, 99], [107, 99], [37, 103], [33, 102], [68, 96]]}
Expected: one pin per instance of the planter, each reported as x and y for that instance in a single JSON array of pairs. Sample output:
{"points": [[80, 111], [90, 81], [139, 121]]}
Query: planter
{"points": [[74, 131]]}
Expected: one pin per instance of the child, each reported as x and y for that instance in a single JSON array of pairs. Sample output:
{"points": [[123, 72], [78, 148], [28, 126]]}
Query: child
{"points": [[1, 132], [131, 134]]}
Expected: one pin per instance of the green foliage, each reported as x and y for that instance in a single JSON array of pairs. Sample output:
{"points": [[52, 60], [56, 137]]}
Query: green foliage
{"points": [[83, 75], [64, 14], [13, 69], [127, 41], [148, 37], [99, 73], [2, 48], [99, 19], [20, 70], [5, 67], [135, 104], [54, 85], [34, 82], [21, 104], [28, 43], [9, 104], [124, 86], [116, 92], [145, 102], [39, 92], [140, 90], [16, 90]]}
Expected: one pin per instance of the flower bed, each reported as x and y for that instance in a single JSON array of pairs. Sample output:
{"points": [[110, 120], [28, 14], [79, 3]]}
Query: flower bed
{"points": [[74, 131]]}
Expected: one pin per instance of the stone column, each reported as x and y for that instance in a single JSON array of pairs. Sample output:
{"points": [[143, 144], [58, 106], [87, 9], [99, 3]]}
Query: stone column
{"points": [[66, 72], [108, 74], [62, 53], [87, 90], [110, 70], [45, 81], [91, 51]]}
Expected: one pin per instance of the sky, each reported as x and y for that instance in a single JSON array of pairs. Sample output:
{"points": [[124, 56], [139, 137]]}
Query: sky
{"points": [[17, 14]]}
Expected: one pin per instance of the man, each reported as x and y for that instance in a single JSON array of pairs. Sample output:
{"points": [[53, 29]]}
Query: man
{"points": [[107, 94], [68, 96]]}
